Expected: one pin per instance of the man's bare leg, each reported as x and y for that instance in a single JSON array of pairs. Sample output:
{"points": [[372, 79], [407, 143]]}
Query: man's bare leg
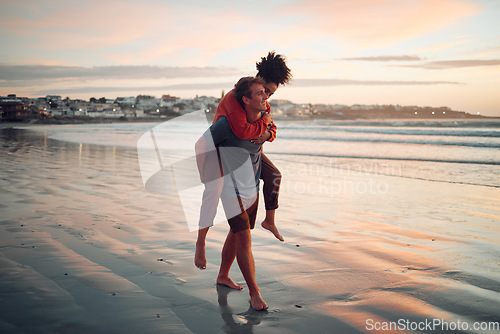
{"points": [[200, 259], [270, 225], [227, 258], [246, 263]]}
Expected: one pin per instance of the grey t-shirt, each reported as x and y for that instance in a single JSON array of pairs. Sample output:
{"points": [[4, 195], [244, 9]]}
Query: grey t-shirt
{"points": [[241, 160]]}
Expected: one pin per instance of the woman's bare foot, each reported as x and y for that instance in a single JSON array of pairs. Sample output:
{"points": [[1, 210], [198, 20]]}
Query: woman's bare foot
{"points": [[258, 303], [200, 260], [273, 229], [227, 281]]}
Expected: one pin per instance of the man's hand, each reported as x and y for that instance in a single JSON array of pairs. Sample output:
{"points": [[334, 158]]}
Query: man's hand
{"points": [[268, 117], [262, 138]]}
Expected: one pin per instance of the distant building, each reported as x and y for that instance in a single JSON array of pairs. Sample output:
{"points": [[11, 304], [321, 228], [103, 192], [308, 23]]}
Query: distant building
{"points": [[81, 108], [12, 108], [104, 110], [125, 100], [168, 97]]}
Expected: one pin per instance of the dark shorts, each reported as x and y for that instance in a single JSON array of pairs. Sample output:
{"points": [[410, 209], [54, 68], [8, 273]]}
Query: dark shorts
{"points": [[246, 219]]}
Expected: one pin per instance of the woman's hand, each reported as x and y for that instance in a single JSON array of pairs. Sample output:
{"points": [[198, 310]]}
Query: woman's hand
{"points": [[262, 138], [268, 117]]}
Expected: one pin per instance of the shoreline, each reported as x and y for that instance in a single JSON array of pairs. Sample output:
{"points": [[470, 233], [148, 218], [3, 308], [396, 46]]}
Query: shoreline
{"points": [[468, 122], [76, 121]]}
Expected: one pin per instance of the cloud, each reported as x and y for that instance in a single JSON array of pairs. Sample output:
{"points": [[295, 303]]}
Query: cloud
{"points": [[452, 64], [136, 89], [221, 85], [384, 58], [84, 24], [346, 82], [440, 46], [26, 73], [130, 32], [123, 32], [376, 23]]}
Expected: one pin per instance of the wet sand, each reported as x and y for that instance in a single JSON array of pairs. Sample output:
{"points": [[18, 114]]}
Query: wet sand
{"points": [[84, 248]]}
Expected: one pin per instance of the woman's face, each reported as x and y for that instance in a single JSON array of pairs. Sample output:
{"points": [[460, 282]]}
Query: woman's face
{"points": [[270, 88]]}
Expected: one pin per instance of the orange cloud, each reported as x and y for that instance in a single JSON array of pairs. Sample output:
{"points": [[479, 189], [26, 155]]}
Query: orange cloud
{"points": [[90, 24], [452, 64], [371, 23], [204, 34], [440, 46], [130, 32]]}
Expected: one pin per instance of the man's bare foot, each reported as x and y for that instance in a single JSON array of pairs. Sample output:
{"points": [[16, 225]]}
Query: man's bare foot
{"points": [[200, 260], [258, 303], [273, 229], [227, 281]]}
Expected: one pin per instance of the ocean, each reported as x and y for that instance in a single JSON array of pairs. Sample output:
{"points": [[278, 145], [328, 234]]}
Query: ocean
{"points": [[455, 151]]}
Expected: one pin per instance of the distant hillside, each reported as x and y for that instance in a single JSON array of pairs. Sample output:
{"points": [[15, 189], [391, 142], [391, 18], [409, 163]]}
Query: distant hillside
{"points": [[288, 109]]}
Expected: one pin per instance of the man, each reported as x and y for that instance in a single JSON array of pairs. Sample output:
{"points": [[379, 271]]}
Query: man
{"points": [[274, 70], [226, 161]]}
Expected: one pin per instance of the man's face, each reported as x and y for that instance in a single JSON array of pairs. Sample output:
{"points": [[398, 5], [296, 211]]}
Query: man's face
{"points": [[270, 88], [257, 101]]}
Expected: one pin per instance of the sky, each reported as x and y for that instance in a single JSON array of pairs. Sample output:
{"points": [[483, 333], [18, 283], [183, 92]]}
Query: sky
{"points": [[401, 52]]}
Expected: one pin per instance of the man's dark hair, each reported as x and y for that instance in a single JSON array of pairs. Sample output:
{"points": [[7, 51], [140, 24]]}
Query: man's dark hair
{"points": [[273, 69], [242, 87]]}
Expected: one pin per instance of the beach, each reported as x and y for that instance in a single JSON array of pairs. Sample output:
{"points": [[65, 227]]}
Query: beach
{"points": [[371, 245]]}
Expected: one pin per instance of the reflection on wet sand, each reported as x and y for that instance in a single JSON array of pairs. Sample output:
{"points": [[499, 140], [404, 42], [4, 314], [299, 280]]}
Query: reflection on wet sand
{"points": [[83, 245], [237, 323]]}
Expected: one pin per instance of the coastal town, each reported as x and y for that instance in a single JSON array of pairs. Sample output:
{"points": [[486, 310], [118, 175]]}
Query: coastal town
{"points": [[53, 108]]}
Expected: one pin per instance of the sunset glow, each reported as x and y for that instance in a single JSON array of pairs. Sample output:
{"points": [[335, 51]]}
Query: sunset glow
{"points": [[422, 52]]}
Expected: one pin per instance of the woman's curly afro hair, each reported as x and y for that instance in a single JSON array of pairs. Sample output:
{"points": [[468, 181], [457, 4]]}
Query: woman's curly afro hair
{"points": [[273, 69]]}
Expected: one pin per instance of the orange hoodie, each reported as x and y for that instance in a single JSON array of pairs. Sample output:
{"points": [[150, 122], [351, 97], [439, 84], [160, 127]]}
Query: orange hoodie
{"points": [[237, 117]]}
